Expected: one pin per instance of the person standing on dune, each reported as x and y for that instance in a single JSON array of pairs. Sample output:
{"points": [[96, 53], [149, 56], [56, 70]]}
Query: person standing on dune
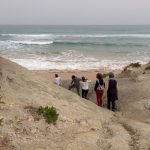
{"points": [[57, 80], [112, 92], [85, 87], [75, 83], [99, 89]]}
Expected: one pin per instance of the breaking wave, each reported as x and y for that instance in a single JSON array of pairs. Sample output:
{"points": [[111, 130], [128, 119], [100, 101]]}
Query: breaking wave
{"points": [[49, 35], [81, 43]]}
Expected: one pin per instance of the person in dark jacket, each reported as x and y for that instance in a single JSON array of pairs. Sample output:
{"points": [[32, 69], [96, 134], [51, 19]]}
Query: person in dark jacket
{"points": [[75, 83], [112, 92], [99, 89]]}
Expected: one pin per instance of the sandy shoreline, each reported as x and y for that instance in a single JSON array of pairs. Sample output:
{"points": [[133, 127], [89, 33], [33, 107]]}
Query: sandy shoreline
{"points": [[66, 75]]}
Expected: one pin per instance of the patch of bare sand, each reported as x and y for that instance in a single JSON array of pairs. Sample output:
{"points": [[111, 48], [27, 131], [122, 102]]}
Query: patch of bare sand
{"points": [[66, 75]]}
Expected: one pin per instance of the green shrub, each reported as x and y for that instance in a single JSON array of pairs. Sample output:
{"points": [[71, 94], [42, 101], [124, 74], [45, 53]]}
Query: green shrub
{"points": [[49, 113], [105, 75], [135, 65], [147, 68]]}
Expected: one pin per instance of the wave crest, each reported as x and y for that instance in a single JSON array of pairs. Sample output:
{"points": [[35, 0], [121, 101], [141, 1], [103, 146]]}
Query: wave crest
{"points": [[81, 43], [49, 35], [33, 42]]}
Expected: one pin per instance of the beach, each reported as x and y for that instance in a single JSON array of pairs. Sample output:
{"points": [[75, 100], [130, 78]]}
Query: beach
{"points": [[69, 48], [75, 75], [31, 60], [66, 75]]}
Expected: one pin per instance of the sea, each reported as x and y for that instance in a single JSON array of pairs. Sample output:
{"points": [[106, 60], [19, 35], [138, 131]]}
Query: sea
{"points": [[69, 47]]}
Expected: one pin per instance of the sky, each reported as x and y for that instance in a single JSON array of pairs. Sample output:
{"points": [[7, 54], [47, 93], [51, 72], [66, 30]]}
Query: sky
{"points": [[75, 12]]}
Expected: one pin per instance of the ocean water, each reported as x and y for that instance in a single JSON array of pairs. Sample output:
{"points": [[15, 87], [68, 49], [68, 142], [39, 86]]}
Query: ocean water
{"points": [[75, 47]]}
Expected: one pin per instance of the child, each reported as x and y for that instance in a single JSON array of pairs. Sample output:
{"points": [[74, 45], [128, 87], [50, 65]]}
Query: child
{"points": [[57, 80], [85, 87]]}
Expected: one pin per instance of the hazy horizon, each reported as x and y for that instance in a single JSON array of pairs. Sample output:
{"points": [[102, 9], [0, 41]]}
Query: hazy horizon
{"points": [[69, 12], [74, 24]]}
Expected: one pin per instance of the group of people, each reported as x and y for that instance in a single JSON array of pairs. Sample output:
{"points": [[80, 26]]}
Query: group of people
{"points": [[112, 91], [77, 83], [99, 88]]}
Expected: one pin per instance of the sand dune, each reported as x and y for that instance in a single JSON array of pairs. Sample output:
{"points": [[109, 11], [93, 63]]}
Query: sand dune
{"points": [[81, 124]]}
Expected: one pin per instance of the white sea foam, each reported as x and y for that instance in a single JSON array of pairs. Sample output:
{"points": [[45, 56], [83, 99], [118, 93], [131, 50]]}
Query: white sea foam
{"points": [[46, 65], [33, 42], [14, 43], [42, 64], [72, 59], [29, 35]]}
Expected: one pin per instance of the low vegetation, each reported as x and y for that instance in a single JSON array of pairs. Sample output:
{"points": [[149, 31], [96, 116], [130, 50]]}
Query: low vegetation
{"points": [[49, 113], [135, 65], [105, 75], [147, 68]]}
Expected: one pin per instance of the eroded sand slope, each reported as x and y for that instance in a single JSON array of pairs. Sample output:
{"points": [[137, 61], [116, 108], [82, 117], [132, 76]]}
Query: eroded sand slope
{"points": [[81, 124]]}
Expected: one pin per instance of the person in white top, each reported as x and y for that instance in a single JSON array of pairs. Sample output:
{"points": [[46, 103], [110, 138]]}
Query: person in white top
{"points": [[57, 80], [85, 87]]}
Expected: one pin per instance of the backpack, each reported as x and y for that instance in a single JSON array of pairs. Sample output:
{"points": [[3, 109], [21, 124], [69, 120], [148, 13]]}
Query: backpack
{"points": [[100, 87]]}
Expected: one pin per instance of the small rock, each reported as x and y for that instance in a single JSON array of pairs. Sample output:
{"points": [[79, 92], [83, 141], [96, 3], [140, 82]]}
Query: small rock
{"points": [[30, 118]]}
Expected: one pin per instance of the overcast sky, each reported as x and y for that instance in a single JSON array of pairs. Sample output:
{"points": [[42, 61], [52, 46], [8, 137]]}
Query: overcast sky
{"points": [[80, 12]]}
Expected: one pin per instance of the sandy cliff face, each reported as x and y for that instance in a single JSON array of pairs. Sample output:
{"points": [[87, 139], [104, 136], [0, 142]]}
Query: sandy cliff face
{"points": [[81, 124]]}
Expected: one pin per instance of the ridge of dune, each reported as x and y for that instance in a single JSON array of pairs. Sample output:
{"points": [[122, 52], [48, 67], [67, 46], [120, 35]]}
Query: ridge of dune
{"points": [[81, 124]]}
